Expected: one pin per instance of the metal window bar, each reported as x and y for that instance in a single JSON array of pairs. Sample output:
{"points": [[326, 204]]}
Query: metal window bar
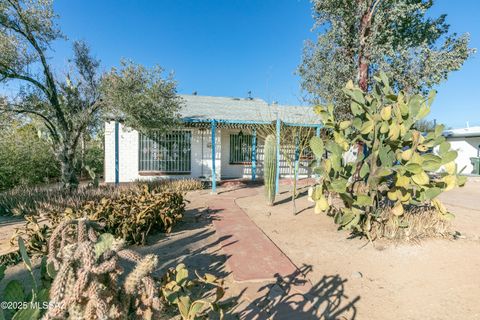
{"points": [[240, 148], [165, 152]]}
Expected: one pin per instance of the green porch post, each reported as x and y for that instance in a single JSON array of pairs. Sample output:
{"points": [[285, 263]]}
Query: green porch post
{"points": [[214, 175]]}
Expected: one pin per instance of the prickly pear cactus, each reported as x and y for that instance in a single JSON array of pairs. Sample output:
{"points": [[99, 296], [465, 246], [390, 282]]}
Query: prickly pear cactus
{"points": [[270, 164], [396, 167]]}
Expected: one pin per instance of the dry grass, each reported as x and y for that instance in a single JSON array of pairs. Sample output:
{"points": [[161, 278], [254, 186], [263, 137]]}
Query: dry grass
{"points": [[45, 199], [415, 224]]}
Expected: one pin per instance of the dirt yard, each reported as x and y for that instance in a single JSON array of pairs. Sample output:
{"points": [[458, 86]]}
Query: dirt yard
{"points": [[351, 278], [434, 279]]}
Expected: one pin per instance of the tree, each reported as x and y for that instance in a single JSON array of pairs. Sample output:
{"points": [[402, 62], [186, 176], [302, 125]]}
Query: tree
{"points": [[67, 107], [25, 157], [141, 97], [358, 38]]}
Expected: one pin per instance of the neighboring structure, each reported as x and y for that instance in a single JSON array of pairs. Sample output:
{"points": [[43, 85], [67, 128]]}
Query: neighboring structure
{"points": [[466, 141], [217, 128]]}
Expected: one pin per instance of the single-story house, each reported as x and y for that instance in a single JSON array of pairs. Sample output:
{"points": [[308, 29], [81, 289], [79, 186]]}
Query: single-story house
{"points": [[466, 141], [220, 128]]}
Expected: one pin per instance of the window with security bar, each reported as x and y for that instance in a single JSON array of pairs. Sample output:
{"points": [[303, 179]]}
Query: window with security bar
{"points": [[166, 152], [240, 148]]}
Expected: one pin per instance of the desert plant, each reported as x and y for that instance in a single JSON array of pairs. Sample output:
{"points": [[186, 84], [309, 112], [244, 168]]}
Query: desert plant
{"points": [[395, 169], [135, 213], [35, 233], [43, 200], [131, 215], [179, 289], [21, 302], [270, 161], [93, 176], [173, 185], [90, 282]]}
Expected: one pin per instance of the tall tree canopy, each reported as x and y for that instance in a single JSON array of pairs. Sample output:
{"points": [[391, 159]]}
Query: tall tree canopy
{"points": [[68, 104], [359, 37]]}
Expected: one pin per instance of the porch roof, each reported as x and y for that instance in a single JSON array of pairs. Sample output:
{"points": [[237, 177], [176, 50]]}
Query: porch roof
{"points": [[235, 110]]}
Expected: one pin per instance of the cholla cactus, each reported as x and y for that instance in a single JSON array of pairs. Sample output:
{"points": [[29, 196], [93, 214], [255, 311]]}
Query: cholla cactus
{"points": [[397, 167], [88, 273]]}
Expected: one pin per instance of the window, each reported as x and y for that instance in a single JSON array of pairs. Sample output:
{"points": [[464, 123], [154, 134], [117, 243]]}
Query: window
{"points": [[240, 148], [166, 152]]}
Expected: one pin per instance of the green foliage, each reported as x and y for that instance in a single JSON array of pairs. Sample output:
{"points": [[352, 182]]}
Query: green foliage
{"points": [[131, 215], [270, 168], [187, 295], [402, 38], [45, 200], [30, 302], [71, 107], [174, 185], [134, 214], [398, 171], [93, 160], [25, 158], [141, 97], [35, 234], [84, 277]]}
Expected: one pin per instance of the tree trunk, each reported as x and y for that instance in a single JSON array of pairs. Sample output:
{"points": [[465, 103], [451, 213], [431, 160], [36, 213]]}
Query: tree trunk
{"points": [[363, 61], [68, 170]]}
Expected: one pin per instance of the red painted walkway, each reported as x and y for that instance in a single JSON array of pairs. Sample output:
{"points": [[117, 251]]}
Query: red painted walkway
{"points": [[252, 255]]}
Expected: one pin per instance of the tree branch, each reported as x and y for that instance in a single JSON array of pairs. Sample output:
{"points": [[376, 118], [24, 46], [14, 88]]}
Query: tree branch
{"points": [[50, 126], [50, 82]]}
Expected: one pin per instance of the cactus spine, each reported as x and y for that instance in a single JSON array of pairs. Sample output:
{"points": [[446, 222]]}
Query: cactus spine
{"points": [[270, 164]]}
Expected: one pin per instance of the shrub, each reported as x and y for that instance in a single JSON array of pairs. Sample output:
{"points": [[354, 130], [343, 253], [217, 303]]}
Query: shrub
{"points": [[132, 215], [395, 170], [175, 185], [46, 199], [25, 158], [135, 213], [27, 303], [43, 200]]}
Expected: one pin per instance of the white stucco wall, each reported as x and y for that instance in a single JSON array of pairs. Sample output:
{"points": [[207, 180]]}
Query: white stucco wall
{"points": [[128, 154], [201, 165], [466, 148]]}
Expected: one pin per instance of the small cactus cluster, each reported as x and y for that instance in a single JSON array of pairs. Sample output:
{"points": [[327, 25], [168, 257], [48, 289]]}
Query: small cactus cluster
{"points": [[396, 167], [270, 168], [88, 276], [178, 289]]}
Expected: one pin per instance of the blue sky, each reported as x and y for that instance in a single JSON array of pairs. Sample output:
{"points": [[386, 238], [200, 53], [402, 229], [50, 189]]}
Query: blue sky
{"points": [[230, 47]]}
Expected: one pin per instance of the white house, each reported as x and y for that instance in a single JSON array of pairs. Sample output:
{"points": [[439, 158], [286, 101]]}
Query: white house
{"points": [[466, 141], [221, 128]]}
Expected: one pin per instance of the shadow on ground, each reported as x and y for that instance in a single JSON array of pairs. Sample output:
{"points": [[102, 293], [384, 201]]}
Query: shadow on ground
{"points": [[293, 297], [194, 243]]}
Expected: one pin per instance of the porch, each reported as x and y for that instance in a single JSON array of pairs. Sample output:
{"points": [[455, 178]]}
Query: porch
{"points": [[219, 138]]}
